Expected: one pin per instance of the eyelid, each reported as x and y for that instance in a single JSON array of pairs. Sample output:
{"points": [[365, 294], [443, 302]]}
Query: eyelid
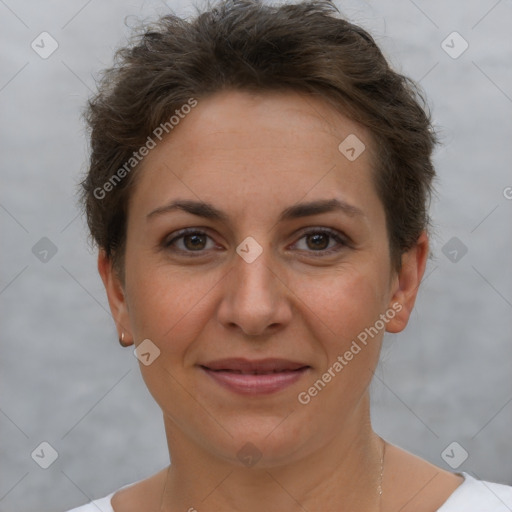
{"points": [[340, 237], [323, 229], [177, 235]]}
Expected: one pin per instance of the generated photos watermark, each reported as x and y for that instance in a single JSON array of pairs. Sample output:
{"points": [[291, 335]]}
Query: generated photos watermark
{"points": [[304, 397], [158, 133]]}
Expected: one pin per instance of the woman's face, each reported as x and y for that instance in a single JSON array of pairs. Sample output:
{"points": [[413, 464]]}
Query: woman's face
{"points": [[265, 279]]}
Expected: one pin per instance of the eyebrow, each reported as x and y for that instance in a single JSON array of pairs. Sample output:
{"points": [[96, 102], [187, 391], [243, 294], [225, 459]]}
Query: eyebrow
{"points": [[208, 211]]}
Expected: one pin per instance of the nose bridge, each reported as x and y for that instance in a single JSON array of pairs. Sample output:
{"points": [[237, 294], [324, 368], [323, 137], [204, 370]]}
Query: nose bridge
{"points": [[254, 298], [253, 280]]}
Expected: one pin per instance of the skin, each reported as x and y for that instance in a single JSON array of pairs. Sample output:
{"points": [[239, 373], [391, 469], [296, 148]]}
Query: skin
{"points": [[252, 156]]}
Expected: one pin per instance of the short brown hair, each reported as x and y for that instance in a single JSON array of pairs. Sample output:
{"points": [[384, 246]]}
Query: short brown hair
{"points": [[250, 46]]}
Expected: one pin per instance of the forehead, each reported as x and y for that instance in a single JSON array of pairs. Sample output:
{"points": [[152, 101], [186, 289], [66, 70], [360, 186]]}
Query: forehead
{"points": [[271, 147], [271, 119]]}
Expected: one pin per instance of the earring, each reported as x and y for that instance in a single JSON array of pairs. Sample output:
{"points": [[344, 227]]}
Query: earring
{"points": [[121, 340]]}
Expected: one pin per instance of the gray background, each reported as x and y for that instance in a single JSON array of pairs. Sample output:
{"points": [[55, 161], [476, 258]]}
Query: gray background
{"points": [[64, 378]]}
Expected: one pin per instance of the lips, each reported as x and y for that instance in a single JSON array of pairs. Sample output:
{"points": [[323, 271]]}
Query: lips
{"points": [[261, 376], [257, 367]]}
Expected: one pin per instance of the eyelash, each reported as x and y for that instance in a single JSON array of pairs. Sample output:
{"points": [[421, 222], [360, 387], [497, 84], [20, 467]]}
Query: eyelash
{"points": [[342, 241]]}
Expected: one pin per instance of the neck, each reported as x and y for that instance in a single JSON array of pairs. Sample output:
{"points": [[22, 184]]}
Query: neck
{"points": [[343, 474]]}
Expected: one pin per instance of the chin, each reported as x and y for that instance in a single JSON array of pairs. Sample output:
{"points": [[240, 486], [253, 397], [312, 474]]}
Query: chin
{"points": [[262, 443]]}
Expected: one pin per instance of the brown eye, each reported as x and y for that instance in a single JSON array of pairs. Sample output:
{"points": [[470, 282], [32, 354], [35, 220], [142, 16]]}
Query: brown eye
{"points": [[189, 241], [318, 241], [195, 241], [322, 242]]}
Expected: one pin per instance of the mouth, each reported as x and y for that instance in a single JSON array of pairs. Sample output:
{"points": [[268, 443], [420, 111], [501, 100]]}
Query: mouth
{"points": [[256, 377]]}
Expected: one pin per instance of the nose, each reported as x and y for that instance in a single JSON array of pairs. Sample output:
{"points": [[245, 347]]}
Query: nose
{"points": [[255, 300]]}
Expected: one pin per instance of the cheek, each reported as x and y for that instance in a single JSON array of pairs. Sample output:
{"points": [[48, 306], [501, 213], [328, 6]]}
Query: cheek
{"points": [[343, 314], [170, 306], [343, 303], [167, 305]]}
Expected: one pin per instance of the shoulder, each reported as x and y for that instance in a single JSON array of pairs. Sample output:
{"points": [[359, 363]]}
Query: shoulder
{"points": [[479, 496], [416, 485], [101, 505], [135, 496]]}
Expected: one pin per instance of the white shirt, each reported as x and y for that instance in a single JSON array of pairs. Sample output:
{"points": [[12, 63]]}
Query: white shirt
{"points": [[471, 496]]}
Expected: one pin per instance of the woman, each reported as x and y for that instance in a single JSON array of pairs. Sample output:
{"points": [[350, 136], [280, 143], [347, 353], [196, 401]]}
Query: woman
{"points": [[258, 190]]}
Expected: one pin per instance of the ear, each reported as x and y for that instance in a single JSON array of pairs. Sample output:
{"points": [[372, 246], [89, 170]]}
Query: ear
{"points": [[406, 284], [116, 297]]}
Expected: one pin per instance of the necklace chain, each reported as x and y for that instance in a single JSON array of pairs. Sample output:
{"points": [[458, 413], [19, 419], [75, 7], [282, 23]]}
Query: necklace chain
{"points": [[379, 487], [165, 489]]}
